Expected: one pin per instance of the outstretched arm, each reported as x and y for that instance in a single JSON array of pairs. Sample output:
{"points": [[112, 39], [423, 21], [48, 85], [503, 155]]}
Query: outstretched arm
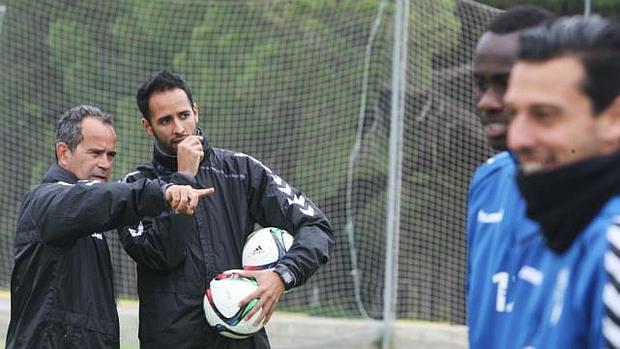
{"points": [[159, 242]]}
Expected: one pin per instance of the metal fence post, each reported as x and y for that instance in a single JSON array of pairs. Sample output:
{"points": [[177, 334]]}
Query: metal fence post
{"points": [[399, 69]]}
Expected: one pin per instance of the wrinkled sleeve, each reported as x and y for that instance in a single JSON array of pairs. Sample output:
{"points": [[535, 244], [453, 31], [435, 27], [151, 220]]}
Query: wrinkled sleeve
{"points": [[159, 242], [65, 212], [274, 203]]}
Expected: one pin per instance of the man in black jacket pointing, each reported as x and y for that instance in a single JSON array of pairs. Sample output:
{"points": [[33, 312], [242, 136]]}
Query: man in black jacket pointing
{"points": [[61, 286]]}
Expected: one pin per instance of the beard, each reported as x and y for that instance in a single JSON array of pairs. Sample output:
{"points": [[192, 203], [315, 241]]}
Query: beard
{"points": [[165, 146]]}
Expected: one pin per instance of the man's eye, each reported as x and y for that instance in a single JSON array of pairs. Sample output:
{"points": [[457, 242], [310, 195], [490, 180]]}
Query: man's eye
{"points": [[510, 112], [541, 113], [545, 113], [500, 82], [481, 84]]}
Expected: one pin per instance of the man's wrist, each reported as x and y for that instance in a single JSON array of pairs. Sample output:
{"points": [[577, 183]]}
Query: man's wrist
{"points": [[164, 189], [183, 178], [285, 274]]}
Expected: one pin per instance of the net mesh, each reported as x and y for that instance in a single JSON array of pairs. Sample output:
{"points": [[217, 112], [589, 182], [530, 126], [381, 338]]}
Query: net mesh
{"points": [[305, 86]]}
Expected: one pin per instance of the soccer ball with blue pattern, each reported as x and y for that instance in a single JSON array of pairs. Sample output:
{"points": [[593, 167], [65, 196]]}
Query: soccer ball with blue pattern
{"points": [[264, 248]]}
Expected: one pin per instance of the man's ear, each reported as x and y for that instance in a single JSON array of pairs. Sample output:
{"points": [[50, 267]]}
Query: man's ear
{"points": [[611, 123], [63, 153], [195, 110], [146, 125]]}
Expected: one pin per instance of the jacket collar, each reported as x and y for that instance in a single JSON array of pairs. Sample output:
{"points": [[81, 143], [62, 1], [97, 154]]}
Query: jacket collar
{"points": [[169, 161], [58, 174]]}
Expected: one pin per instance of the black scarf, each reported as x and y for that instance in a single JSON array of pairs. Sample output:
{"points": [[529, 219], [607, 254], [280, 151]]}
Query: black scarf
{"points": [[565, 200]]}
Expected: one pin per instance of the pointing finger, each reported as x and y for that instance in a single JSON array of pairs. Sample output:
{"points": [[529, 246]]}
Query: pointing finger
{"points": [[205, 192]]}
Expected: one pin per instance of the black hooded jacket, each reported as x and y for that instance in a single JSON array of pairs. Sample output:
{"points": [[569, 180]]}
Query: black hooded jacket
{"points": [[178, 256], [61, 284]]}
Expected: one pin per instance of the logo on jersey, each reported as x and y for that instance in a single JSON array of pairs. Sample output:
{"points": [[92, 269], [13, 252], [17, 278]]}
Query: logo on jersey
{"points": [[97, 236], [136, 232], [293, 199], [490, 217], [301, 201]]}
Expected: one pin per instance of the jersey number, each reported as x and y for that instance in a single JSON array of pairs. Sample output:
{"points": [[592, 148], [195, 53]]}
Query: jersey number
{"points": [[501, 279]]}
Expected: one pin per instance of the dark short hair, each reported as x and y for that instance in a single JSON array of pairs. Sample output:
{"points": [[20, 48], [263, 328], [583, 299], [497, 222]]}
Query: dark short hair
{"points": [[594, 40], [69, 126], [518, 18], [162, 81]]}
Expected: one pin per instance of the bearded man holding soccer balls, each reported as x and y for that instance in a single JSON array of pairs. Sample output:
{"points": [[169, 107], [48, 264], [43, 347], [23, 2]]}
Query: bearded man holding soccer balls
{"points": [[172, 277]]}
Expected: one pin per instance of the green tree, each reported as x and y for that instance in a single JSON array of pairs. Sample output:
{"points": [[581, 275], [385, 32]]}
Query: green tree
{"points": [[610, 8]]}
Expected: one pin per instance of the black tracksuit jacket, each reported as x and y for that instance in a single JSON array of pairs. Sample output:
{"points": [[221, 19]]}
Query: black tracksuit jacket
{"points": [[61, 285], [177, 256]]}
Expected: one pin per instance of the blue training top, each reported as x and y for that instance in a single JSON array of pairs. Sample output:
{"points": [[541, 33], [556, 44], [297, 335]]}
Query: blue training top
{"points": [[494, 209], [521, 294], [559, 297]]}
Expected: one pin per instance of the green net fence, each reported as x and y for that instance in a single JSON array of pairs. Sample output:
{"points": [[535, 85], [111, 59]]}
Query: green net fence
{"points": [[302, 85]]}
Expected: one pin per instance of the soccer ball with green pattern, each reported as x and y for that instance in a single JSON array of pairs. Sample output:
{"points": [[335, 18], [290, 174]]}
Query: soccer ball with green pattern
{"points": [[221, 306]]}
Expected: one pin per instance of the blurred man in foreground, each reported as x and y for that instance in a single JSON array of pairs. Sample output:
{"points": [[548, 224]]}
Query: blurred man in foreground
{"points": [[564, 106]]}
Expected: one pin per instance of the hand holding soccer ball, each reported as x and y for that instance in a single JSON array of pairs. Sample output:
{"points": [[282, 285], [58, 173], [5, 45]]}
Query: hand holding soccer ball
{"points": [[238, 303]]}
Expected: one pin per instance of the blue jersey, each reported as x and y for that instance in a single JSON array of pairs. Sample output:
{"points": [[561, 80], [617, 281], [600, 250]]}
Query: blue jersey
{"points": [[521, 294], [495, 218], [558, 298]]}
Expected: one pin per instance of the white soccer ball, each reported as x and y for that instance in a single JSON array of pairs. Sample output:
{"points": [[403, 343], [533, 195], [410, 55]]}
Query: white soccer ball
{"points": [[221, 306], [264, 248]]}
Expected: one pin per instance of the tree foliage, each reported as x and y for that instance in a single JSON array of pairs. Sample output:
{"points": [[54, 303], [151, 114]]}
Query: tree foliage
{"points": [[292, 69], [610, 8]]}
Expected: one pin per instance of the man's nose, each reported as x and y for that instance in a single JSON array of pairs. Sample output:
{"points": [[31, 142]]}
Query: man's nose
{"points": [[491, 100], [520, 135], [105, 162], [178, 127]]}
